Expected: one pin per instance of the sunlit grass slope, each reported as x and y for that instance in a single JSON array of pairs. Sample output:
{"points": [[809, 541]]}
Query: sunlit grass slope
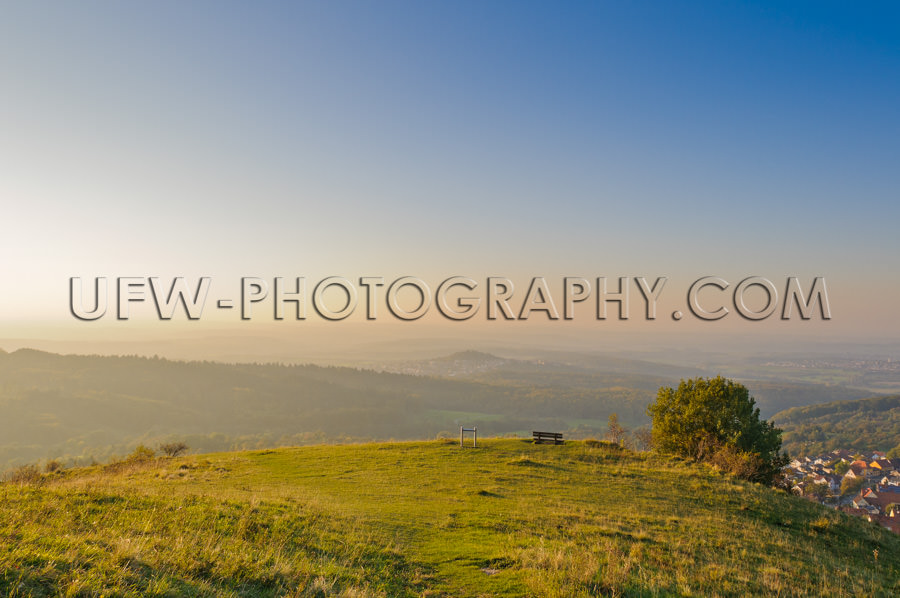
{"points": [[429, 519]]}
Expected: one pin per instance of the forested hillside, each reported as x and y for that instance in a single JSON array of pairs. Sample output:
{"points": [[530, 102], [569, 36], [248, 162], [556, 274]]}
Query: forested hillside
{"points": [[865, 425], [69, 407]]}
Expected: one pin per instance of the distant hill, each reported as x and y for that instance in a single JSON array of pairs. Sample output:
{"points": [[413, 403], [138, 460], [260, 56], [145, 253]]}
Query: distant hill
{"points": [[406, 520], [460, 364], [466, 362], [864, 424], [775, 396], [477, 356], [77, 407], [592, 371]]}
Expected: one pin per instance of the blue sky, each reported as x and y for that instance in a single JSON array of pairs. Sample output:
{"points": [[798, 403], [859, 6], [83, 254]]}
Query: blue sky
{"points": [[392, 138]]}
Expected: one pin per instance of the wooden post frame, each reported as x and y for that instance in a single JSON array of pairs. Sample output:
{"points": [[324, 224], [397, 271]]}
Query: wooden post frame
{"points": [[474, 432]]}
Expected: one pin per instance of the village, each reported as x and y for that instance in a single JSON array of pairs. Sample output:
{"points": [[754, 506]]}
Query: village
{"points": [[865, 484]]}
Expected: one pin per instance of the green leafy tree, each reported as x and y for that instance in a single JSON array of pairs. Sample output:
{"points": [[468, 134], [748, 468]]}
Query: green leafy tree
{"points": [[818, 491], [841, 467], [851, 485], [716, 420]]}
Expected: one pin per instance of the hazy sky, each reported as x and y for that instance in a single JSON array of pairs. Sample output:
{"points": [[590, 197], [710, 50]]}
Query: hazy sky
{"points": [[519, 139]]}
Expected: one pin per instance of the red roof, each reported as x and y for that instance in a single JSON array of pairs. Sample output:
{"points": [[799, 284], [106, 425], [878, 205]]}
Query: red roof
{"points": [[891, 524]]}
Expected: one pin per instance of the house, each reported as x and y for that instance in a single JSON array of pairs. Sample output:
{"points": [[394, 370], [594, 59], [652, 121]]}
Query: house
{"points": [[833, 482], [881, 465], [842, 455], [860, 502], [856, 471], [890, 523], [878, 502]]}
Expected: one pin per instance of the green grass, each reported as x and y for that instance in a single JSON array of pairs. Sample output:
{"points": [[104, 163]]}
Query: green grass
{"points": [[429, 519], [452, 419]]}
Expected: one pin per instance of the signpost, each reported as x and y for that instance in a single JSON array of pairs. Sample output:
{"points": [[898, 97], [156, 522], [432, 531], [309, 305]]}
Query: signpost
{"points": [[474, 432]]}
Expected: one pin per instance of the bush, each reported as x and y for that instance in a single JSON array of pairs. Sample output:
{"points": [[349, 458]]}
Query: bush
{"points": [[605, 444], [52, 465], [716, 420], [24, 474], [643, 439], [141, 454], [735, 461]]}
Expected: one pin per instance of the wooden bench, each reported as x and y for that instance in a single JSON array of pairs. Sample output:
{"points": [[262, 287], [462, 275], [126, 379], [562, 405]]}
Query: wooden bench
{"points": [[554, 437]]}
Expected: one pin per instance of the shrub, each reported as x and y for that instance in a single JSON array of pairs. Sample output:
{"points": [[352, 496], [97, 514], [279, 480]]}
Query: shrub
{"points": [[24, 474], [604, 444], [141, 454], [643, 439], [716, 420]]}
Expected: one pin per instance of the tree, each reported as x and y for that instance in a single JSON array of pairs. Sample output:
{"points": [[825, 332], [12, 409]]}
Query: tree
{"points": [[851, 485], [173, 449], [841, 467], [818, 491], [715, 420], [615, 432], [643, 439]]}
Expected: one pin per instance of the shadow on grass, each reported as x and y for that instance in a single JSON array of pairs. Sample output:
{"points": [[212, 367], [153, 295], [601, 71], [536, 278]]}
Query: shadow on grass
{"points": [[527, 462]]}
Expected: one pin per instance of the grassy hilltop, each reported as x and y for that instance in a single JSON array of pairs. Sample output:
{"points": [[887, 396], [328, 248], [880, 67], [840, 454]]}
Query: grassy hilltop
{"points": [[428, 519]]}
